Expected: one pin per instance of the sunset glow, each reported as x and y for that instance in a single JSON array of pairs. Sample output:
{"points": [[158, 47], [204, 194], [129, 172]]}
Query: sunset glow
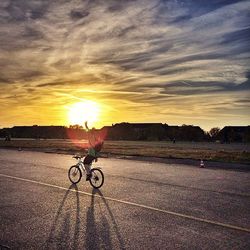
{"points": [[175, 62], [80, 112]]}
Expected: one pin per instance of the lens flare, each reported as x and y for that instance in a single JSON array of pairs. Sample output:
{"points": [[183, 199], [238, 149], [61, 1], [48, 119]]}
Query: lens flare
{"points": [[83, 111], [78, 114]]}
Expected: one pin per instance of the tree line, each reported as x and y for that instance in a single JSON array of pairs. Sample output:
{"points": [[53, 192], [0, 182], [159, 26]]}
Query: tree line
{"points": [[133, 131]]}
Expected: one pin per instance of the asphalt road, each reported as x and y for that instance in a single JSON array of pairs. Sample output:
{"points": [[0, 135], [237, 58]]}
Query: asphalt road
{"points": [[142, 205]]}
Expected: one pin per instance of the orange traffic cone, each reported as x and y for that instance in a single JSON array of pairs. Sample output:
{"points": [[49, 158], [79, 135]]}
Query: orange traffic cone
{"points": [[202, 164]]}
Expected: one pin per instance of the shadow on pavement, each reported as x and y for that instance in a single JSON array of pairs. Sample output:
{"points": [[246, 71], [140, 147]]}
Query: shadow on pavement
{"points": [[67, 231], [100, 237], [59, 236]]}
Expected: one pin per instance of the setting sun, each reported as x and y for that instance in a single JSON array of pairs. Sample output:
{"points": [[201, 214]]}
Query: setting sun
{"points": [[83, 111]]}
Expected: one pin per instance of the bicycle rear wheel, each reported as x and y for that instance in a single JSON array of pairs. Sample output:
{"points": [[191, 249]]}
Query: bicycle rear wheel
{"points": [[97, 178], [74, 174]]}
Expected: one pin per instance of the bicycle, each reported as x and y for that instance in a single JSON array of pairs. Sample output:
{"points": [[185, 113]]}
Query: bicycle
{"points": [[76, 172]]}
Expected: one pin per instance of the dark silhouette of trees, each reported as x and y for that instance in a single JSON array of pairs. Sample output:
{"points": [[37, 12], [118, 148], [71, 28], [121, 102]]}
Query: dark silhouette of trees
{"points": [[155, 132], [234, 134], [214, 132], [133, 132], [76, 126]]}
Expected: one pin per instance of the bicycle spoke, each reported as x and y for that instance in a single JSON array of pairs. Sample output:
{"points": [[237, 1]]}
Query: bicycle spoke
{"points": [[74, 174], [97, 178]]}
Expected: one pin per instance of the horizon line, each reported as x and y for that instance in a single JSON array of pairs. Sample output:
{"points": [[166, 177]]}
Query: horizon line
{"points": [[81, 126]]}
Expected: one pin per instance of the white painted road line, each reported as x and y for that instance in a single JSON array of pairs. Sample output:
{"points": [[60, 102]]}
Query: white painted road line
{"points": [[134, 204]]}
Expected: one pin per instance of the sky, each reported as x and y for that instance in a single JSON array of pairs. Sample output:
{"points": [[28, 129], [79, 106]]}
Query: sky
{"points": [[175, 62]]}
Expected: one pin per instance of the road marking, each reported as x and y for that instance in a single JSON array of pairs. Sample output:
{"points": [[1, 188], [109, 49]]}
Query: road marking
{"points": [[134, 204]]}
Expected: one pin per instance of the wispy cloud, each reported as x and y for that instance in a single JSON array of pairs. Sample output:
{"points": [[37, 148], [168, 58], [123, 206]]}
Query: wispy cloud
{"points": [[129, 53]]}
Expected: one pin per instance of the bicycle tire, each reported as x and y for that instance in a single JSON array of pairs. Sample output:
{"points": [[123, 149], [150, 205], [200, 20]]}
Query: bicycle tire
{"points": [[97, 178], [72, 174]]}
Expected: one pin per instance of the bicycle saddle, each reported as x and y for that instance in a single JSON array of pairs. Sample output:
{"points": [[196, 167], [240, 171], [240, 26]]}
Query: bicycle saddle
{"points": [[77, 157]]}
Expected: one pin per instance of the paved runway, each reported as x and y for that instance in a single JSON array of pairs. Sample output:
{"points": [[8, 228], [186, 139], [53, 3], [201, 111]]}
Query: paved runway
{"points": [[142, 205]]}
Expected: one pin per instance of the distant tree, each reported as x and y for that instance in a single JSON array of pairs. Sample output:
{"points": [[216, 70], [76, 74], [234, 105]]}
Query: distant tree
{"points": [[214, 132], [246, 136], [207, 136], [76, 126]]}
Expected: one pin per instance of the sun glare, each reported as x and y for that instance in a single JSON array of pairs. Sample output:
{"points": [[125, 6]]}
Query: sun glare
{"points": [[83, 111]]}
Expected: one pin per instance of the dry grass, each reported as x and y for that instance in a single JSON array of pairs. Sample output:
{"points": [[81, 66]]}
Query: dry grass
{"points": [[238, 153]]}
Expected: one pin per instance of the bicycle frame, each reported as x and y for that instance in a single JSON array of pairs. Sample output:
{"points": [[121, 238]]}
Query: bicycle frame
{"points": [[96, 177], [81, 165]]}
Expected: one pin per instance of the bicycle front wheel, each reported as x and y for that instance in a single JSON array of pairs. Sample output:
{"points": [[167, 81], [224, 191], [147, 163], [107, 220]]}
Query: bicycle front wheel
{"points": [[74, 174], [97, 178]]}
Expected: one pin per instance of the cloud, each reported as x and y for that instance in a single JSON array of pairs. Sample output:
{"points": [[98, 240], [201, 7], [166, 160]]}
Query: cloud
{"points": [[78, 14], [19, 11], [162, 50]]}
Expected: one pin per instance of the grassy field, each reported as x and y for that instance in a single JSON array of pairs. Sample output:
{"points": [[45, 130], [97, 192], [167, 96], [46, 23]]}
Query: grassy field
{"points": [[233, 153]]}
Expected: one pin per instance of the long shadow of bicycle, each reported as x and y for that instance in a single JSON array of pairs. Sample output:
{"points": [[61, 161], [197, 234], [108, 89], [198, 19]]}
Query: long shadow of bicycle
{"points": [[104, 228], [61, 229], [70, 229]]}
